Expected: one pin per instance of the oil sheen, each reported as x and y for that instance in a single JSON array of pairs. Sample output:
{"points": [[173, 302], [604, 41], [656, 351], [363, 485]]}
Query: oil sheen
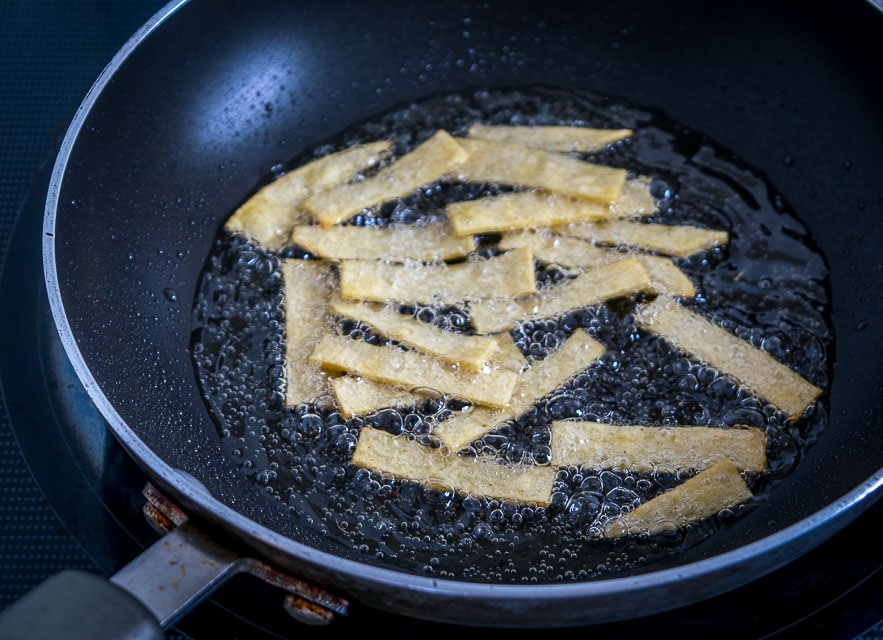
{"points": [[768, 286]]}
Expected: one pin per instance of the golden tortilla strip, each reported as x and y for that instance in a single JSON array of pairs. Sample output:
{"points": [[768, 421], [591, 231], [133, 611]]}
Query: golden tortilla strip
{"points": [[412, 369], [431, 161], [518, 165], [508, 355], [679, 241], [749, 365], [470, 351], [429, 243], [706, 494], [636, 200], [532, 210], [540, 379], [549, 248], [508, 274], [551, 138], [646, 449], [666, 278], [268, 216], [356, 396], [361, 396], [622, 277], [406, 459], [307, 285], [521, 210]]}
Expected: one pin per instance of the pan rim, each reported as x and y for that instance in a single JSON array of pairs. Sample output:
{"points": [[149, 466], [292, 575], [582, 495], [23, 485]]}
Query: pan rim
{"points": [[733, 568]]}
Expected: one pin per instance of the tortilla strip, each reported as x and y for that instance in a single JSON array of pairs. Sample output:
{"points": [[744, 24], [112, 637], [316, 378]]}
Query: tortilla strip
{"points": [[665, 276], [719, 487], [540, 379], [361, 396], [532, 210], [397, 243], [517, 165], [267, 217], [508, 274], [750, 366], [636, 200], [408, 460], [470, 351], [357, 396], [521, 210], [307, 285], [508, 355], [679, 241], [551, 138], [655, 449], [622, 277], [549, 248], [412, 369], [429, 162]]}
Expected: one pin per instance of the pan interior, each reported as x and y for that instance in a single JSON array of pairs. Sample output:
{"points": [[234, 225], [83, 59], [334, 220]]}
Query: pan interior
{"points": [[768, 286]]}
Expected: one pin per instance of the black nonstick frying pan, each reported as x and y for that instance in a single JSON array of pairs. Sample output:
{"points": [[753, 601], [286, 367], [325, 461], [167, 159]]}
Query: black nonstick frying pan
{"points": [[196, 108]]}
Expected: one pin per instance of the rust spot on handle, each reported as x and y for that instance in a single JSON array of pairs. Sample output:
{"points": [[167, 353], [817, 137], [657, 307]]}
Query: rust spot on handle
{"points": [[162, 514]]}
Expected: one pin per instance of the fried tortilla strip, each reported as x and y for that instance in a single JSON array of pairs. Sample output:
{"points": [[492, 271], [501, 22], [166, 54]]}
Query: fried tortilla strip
{"points": [[361, 396], [428, 243], [429, 162], [412, 369], [655, 449], [308, 285], [679, 241], [517, 165], [408, 460], [267, 217], [666, 278], [508, 355], [551, 138], [549, 248], [521, 210], [749, 365], [356, 396], [533, 210], [622, 277], [540, 379], [709, 492], [472, 352], [509, 274], [636, 200]]}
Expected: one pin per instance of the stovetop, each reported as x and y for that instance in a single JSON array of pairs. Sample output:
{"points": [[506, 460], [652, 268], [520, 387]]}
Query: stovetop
{"points": [[70, 497]]}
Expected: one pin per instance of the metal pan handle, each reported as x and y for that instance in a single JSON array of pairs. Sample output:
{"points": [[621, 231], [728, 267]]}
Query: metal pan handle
{"points": [[153, 591]]}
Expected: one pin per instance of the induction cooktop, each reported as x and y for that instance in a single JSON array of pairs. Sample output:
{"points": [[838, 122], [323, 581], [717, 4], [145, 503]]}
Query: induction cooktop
{"points": [[70, 497]]}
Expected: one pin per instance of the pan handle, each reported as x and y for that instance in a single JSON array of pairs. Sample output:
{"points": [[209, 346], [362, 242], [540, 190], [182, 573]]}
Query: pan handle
{"points": [[152, 592], [186, 565], [77, 605]]}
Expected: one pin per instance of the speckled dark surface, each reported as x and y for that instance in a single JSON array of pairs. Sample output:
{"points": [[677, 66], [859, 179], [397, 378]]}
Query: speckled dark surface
{"points": [[51, 53], [56, 508]]}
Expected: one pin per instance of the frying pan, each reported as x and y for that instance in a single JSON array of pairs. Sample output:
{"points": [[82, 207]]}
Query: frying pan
{"points": [[207, 96]]}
